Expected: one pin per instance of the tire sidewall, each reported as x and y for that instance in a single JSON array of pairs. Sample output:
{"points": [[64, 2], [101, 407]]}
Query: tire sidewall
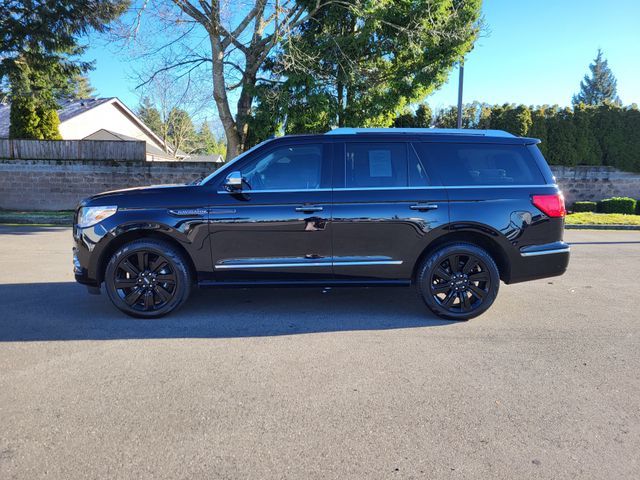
{"points": [[177, 264], [433, 261]]}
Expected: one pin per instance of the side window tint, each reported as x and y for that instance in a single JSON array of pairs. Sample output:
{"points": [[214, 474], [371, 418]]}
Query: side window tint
{"points": [[376, 165], [481, 164], [297, 167]]}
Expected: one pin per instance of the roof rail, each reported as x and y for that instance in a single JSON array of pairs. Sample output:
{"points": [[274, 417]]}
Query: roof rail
{"points": [[421, 131]]}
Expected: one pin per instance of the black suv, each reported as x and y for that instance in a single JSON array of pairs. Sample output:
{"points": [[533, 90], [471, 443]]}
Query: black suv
{"points": [[452, 212]]}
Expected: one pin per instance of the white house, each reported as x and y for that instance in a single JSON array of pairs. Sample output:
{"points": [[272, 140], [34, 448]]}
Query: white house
{"points": [[103, 119]]}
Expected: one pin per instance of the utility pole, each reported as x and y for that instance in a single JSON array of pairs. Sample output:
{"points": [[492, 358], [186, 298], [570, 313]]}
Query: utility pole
{"points": [[460, 82]]}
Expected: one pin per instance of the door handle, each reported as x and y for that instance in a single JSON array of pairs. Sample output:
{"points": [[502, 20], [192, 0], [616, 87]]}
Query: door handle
{"points": [[308, 209], [422, 207]]}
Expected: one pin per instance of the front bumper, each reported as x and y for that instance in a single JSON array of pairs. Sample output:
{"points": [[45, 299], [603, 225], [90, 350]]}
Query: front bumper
{"points": [[85, 256]]}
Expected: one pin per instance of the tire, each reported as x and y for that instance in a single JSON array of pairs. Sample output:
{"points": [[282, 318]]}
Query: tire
{"points": [[455, 272], [148, 278]]}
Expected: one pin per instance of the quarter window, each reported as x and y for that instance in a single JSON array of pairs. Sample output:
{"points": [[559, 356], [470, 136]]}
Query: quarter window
{"points": [[481, 164]]}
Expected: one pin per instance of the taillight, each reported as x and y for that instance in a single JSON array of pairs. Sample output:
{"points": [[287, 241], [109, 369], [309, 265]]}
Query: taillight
{"points": [[550, 205]]}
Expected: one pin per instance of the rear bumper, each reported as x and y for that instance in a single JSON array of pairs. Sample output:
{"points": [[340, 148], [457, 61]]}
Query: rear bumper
{"points": [[540, 261]]}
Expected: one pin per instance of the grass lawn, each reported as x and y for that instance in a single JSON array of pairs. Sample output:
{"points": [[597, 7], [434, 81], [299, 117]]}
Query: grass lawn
{"points": [[589, 218], [63, 217]]}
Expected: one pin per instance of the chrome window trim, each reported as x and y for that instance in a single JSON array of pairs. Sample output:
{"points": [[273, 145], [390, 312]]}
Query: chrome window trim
{"points": [[440, 187], [431, 187], [302, 264], [545, 252], [277, 191]]}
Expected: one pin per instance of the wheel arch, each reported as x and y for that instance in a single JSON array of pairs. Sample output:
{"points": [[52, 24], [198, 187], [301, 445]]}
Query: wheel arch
{"points": [[483, 239], [129, 236]]}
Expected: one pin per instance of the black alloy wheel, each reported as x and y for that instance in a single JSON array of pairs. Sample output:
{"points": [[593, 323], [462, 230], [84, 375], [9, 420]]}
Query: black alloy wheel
{"points": [[459, 281], [147, 279]]}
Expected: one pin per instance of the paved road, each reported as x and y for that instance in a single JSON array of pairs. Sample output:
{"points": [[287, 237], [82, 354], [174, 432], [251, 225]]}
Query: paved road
{"points": [[299, 384]]}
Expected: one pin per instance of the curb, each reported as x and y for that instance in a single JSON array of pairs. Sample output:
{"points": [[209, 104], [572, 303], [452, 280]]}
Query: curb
{"points": [[602, 227]]}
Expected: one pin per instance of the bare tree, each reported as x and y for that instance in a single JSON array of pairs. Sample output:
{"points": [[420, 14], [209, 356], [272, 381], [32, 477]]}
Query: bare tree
{"points": [[232, 38], [179, 102]]}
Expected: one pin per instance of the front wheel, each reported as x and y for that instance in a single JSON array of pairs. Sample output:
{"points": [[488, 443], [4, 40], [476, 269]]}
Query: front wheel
{"points": [[458, 282], [147, 278]]}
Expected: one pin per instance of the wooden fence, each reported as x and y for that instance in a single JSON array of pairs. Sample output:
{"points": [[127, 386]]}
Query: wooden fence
{"points": [[72, 150]]}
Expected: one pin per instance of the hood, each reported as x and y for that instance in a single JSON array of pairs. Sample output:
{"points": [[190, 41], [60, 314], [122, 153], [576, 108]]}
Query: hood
{"points": [[138, 197]]}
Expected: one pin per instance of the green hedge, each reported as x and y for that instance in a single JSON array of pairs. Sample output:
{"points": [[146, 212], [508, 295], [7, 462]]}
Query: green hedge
{"points": [[582, 135], [584, 207], [638, 207], [617, 205]]}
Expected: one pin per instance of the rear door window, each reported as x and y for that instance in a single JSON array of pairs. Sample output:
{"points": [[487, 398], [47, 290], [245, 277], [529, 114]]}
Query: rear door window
{"points": [[383, 165], [481, 164]]}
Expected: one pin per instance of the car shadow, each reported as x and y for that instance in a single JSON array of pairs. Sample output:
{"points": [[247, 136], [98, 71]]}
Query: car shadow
{"points": [[65, 311]]}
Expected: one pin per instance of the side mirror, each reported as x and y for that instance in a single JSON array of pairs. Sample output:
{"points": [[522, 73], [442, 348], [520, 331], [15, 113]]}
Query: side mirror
{"points": [[233, 181]]}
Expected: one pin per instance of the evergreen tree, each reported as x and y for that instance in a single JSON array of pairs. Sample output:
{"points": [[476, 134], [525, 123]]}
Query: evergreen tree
{"points": [[23, 119], [49, 123], [40, 46], [600, 87], [421, 118], [207, 143], [150, 116], [405, 120], [78, 88], [361, 63], [445, 118]]}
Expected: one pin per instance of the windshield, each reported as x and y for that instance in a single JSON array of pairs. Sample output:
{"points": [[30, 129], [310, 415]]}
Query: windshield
{"points": [[226, 166]]}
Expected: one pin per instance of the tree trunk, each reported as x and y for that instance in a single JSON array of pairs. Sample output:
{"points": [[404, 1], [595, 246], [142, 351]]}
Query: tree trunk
{"points": [[244, 103], [234, 144], [340, 102]]}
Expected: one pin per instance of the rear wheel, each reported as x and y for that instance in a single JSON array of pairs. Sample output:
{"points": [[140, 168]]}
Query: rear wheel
{"points": [[459, 281], [147, 278]]}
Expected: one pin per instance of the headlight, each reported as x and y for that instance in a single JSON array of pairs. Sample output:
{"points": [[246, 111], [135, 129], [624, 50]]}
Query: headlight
{"points": [[91, 215]]}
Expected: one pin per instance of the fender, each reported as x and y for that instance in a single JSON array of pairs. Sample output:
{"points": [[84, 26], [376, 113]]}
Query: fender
{"points": [[189, 232]]}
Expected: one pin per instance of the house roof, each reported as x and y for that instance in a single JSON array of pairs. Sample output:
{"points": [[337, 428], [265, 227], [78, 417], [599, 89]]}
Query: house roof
{"points": [[73, 108]]}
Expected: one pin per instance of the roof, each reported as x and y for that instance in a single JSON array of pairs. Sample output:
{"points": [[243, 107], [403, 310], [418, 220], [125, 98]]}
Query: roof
{"points": [[421, 131], [447, 135]]}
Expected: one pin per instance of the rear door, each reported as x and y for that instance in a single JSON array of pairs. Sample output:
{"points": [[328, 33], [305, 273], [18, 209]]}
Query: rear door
{"points": [[385, 209]]}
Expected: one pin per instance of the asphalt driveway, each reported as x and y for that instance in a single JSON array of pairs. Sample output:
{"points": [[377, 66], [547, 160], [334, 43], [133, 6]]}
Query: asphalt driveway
{"points": [[294, 383]]}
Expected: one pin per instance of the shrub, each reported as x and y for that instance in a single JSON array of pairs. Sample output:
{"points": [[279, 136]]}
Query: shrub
{"points": [[638, 207], [617, 205], [584, 207]]}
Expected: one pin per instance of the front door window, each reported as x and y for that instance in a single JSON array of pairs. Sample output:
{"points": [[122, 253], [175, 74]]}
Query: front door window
{"points": [[297, 167]]}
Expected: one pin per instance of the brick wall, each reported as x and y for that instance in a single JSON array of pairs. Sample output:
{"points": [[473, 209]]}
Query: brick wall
{"points": [[596, 183], [61, 184]]}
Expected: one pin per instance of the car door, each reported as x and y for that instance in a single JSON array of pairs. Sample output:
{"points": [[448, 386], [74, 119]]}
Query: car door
{"points": [[385, 207], [277, 227]]}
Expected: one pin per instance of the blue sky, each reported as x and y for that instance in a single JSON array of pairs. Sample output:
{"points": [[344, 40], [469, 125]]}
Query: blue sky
{"points": [[534, 52]]}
